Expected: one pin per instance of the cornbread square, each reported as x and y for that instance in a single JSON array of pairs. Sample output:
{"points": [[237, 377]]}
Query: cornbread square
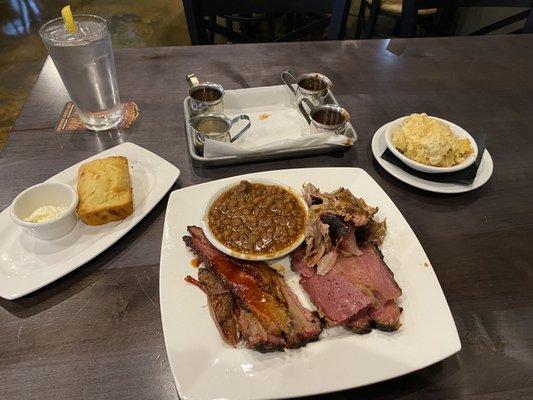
{"points": [[104, 191]]}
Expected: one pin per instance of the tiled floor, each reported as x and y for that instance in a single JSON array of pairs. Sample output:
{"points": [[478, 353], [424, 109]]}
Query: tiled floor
{"points": [[133, 24]]}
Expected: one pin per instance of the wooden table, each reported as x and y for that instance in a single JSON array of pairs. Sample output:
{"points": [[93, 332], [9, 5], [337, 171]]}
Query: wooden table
{"points": [[96, 333]]}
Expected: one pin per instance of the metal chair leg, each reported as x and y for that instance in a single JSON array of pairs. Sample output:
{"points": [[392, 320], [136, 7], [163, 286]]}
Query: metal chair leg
{"points": [[271, 23], [210, 33], [360, 20], [396, 29], [528, 26], [409, 19], [372, 19]]}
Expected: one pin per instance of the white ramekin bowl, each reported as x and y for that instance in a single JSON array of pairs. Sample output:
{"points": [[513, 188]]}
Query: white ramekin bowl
{"points": [[243, 256], [46, 194], [457, 130]]}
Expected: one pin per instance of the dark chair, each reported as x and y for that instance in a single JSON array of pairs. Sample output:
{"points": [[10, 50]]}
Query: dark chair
{"points": [[526, 15], [411, 10], [401, 11], [202, 17]]}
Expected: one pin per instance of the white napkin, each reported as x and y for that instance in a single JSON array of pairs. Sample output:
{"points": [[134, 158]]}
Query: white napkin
{"points": [[270, 136], [277, 124]]}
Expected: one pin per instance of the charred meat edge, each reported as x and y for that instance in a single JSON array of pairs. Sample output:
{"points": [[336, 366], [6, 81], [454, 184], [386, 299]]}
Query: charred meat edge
{"points": [[300, 326]]}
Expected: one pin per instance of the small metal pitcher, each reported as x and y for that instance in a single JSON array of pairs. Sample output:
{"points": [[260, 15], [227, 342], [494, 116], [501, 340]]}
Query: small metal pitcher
{"points": [[325, 118], [205, 97], [215, 126], [311, 85]]}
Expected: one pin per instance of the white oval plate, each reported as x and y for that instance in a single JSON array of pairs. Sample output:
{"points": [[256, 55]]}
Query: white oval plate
{"points": [[379, 145], [28, 263]]}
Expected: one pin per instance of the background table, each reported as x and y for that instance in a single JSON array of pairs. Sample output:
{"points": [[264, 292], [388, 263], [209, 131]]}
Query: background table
{"points": [[96, 333]]}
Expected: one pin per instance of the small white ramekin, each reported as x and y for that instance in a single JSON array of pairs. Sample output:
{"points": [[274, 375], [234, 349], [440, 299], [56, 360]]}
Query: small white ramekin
{"points": [[46, 194]]}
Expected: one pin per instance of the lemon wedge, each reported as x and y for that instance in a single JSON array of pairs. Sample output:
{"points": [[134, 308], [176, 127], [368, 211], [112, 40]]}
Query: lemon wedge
{"points": [[68, 19]]}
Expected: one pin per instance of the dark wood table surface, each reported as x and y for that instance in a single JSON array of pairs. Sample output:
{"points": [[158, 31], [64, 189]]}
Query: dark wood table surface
{"points": [[96, 333]]}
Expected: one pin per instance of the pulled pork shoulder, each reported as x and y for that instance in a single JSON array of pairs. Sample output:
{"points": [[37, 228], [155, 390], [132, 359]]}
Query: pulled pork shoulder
{"points": [[337, 222]]}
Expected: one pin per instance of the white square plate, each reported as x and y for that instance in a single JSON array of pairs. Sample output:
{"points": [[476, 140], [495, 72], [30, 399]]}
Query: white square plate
{"points": [[204, 367], [28, 263]]}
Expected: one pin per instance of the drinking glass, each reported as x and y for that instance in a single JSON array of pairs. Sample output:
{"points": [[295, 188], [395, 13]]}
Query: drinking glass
{"points": [[84, 60]]}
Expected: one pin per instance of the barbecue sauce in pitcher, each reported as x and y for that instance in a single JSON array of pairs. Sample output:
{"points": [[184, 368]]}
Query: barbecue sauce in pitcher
{"points": [[313, 84], [329, 117], [206, 94]]}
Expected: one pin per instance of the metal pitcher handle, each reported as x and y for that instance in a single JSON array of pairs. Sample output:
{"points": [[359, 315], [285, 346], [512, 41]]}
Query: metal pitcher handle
{"points": [[192, 80], [293, 75], [246, 127], [303, 110]]}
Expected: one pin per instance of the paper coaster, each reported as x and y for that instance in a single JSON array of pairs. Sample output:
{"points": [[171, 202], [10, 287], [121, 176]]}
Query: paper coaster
{"points": [[70, 121]]}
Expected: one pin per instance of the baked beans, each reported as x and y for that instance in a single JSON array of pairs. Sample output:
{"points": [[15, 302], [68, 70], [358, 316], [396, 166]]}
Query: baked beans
{"points": [[257, 219]]}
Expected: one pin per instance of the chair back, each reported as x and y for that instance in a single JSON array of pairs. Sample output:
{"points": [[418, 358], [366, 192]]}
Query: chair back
{"points": [[526, 15], [202, 21]]}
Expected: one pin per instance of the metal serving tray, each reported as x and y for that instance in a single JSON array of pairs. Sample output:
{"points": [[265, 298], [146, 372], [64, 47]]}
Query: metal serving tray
{"points": [[257, 103]]}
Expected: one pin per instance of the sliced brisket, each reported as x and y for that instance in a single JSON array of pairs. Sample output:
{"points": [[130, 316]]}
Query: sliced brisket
{"points": [[306, 326], [387, 317], [358, 292], [361, 323], [221, 305], [370, 270], [255, 336], [266, 314], [337, 299], [246, 288]]}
